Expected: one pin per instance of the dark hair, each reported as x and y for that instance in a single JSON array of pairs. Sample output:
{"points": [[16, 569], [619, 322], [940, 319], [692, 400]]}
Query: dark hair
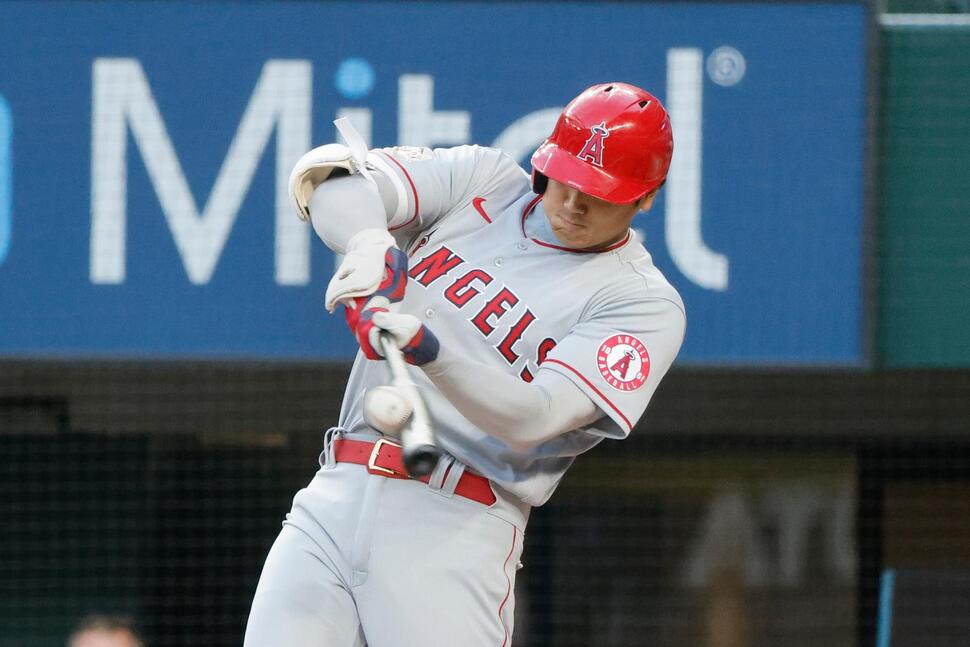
{"points": [[107, 622]]}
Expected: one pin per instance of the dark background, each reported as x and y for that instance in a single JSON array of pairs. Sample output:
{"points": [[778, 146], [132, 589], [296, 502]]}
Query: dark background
{"points": [[157, 490]]}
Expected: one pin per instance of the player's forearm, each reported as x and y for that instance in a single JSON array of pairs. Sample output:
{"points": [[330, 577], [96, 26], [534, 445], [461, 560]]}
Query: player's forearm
{"points": [[342, 207], [521, 414]]}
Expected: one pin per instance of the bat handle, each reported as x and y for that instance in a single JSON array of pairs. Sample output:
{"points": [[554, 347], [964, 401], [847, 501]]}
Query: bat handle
{"points": [[418, 448], [420, 460]]}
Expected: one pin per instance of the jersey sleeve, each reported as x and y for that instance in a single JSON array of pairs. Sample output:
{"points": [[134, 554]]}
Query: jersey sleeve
{"points": [[431, 183], [618, 356]]}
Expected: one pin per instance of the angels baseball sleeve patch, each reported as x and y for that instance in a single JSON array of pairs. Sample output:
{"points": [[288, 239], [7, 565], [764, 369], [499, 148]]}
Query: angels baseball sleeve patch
{"points": [[618, 355], [624, 362]]}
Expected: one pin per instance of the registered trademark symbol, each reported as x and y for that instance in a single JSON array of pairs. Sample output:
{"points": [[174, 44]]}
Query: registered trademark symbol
{"points": [[726, 66]]}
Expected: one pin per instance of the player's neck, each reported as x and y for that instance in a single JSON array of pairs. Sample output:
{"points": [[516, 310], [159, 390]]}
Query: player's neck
{"points": [[537, 226]]}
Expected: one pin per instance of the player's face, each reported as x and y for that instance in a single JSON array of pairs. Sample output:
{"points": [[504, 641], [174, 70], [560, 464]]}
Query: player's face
{"points": [[581, 221]]}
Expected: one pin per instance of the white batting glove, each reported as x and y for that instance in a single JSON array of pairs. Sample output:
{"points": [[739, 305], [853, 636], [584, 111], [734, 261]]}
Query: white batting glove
{"points": [[416, 341], [362, 270]]}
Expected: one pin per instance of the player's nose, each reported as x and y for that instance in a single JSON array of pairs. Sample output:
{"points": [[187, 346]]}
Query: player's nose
{"points": [[574, 202]]}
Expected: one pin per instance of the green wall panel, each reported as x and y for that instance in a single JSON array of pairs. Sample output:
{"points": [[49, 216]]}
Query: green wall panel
{"points": [[927, 6], [924, 202]]}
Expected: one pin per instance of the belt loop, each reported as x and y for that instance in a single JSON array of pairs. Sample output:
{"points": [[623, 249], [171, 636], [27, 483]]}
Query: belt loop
{"points": [[451, 482], [440, 470], [327, 458]]}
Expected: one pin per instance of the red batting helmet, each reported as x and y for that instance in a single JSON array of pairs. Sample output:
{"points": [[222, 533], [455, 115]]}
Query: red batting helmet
{"points": [[613, 141]]}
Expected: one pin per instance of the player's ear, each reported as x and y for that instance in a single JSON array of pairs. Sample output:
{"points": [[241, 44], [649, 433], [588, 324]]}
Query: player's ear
{"points": [[647, 201]]}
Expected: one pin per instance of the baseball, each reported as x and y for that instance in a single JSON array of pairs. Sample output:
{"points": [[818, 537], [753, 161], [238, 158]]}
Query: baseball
{"points": [[386, 409]]}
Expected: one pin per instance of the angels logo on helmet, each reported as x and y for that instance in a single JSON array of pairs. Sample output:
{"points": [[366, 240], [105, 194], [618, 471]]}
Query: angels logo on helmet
{"points": [[593, 148]]}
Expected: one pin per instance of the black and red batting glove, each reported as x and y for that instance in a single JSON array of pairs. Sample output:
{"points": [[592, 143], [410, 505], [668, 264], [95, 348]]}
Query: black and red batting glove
{"points": [[390, 290]]}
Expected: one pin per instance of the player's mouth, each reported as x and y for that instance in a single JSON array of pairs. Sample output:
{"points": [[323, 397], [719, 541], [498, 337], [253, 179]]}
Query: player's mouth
{"points": [[569, 224]]}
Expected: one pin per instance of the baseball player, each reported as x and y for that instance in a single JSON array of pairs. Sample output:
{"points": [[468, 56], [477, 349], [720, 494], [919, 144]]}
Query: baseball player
{"points": [[535, 325]]}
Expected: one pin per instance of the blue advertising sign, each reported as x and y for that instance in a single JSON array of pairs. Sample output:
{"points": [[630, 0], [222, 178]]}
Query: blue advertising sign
{"points": [[6, 171], [144, 151]]}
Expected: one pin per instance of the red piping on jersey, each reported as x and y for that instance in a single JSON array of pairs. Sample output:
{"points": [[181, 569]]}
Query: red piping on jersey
{"points": [[590, 385], [477, 203], [414, 191], [508, 590], [529, 207]]}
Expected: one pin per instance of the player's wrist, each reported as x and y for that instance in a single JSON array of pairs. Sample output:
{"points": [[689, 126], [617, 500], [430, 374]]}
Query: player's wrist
{"points": [[438, 366]]}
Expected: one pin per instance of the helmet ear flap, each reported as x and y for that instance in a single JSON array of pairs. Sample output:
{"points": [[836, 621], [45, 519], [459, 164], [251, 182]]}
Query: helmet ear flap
{"points": [[539, 182]]}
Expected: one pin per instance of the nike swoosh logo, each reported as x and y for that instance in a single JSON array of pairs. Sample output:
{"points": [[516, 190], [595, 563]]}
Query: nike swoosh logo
{"points": [[477, 203]]}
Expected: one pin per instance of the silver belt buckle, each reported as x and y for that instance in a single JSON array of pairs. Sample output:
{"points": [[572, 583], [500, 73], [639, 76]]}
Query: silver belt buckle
{"points": [[372, 467]]}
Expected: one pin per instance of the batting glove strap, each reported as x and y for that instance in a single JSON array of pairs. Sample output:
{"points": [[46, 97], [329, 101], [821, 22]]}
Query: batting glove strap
{"points": [[352, 310], [395, 276], [366, 332], [422, 348]]}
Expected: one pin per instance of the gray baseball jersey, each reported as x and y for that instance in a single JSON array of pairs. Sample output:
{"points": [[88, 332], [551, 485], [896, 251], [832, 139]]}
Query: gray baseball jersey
{"points": [[489, 279], [395, 562]]}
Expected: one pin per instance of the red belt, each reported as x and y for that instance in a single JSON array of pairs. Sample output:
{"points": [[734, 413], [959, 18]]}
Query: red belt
{"points": [[383, 458]]}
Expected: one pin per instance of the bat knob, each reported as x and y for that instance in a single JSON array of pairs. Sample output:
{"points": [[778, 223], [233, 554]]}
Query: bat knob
{"points": [[420, 460]]}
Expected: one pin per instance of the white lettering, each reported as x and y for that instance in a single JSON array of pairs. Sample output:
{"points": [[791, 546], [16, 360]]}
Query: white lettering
{"points": [[6, 178], [728, 539], [419, 124], [840, 538], [795, 509], [122, 97], [525, 134], [737, 530], [698, 263]]}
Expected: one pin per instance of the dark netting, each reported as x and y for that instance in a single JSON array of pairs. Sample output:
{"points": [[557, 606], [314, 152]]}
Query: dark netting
{"points": [[771, 525]]}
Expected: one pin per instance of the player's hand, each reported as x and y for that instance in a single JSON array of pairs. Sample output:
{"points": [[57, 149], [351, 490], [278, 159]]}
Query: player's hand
{"points": [[416, 341], [388, 293], [372, 266]]}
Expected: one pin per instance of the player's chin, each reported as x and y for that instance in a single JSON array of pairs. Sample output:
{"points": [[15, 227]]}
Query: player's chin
{"points": [[570, 241], [571, 235]]}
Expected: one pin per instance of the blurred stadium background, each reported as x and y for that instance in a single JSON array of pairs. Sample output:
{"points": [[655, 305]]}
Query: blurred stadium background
{"points": [[802, 477]]}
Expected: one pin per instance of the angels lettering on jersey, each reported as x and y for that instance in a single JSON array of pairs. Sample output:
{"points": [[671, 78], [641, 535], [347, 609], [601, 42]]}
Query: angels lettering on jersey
{"points": [[469, 284]]}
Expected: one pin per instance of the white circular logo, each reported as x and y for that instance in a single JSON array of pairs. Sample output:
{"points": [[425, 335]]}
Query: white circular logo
{"points": [[623, 362], [726, 66]]}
